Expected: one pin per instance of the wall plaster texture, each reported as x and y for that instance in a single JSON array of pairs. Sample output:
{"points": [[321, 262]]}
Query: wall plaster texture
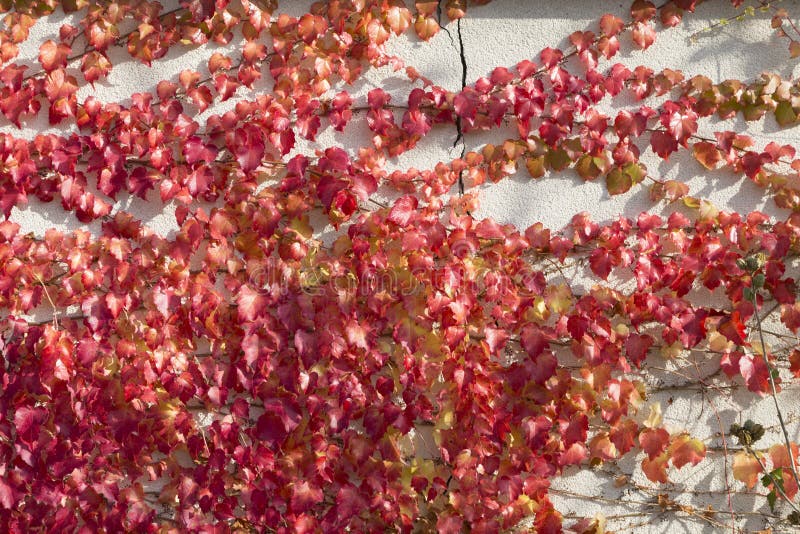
{"points": [[501, 34]]}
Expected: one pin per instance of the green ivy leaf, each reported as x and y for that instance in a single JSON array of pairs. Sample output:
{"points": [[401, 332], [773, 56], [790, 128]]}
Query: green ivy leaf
{"points": [[775, 476], [772, 496], [784, 114], [618, 182], [748, 293], [535, 166], [636, 171], [558, 159], [586, 167], [758, 281]]}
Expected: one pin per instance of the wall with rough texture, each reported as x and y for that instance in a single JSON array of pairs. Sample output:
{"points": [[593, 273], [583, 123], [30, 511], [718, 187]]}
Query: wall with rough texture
{"points": [[501, 34]]}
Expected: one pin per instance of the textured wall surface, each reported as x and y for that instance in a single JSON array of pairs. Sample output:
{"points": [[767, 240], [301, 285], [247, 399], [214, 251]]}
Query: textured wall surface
{"points": [[501, 34]]}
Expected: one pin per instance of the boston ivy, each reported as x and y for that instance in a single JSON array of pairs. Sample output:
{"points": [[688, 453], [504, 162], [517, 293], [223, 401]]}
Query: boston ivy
{"points": [[243, 375]]}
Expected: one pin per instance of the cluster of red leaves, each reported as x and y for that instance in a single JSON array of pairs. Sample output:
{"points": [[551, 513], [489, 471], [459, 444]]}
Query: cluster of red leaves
{"points": [[243, 375]]}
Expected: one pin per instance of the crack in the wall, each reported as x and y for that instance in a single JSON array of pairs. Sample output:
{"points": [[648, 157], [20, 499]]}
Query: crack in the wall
{"points": [[439, 22], [460, 49], [461, 53], [459, 131]]}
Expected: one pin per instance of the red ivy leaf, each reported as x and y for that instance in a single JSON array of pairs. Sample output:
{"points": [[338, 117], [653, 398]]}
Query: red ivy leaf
{"points": [[601, 261], [59, 84], [403, 211], [755, 372], [248, 147], [643, 35], [671, 15], [663, 144], [733, 328], [94, 66], [449, 524], [636, 347], [53, 56], [643, 10], [611, 25], [250, 303], [304, 497], [7, 498], [654, 441], [574, 455]]}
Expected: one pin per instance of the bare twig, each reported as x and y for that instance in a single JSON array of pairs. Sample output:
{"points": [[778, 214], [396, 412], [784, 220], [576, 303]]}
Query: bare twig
{"points": [[793, 467]]}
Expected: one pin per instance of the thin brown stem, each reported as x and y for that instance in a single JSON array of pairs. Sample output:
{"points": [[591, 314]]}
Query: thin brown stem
{"points": [[774, 391]]}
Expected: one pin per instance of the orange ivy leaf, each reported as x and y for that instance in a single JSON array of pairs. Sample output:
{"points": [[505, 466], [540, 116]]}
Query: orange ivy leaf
{"points": [[426, 27], [746, 469], [707, 154], [685, 449], [398, 18], [656, 469], [780, 458], [794, 363]]}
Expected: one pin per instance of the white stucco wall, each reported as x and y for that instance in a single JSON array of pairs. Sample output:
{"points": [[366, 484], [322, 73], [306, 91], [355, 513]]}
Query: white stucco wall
{"points": [[501, 34]]}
